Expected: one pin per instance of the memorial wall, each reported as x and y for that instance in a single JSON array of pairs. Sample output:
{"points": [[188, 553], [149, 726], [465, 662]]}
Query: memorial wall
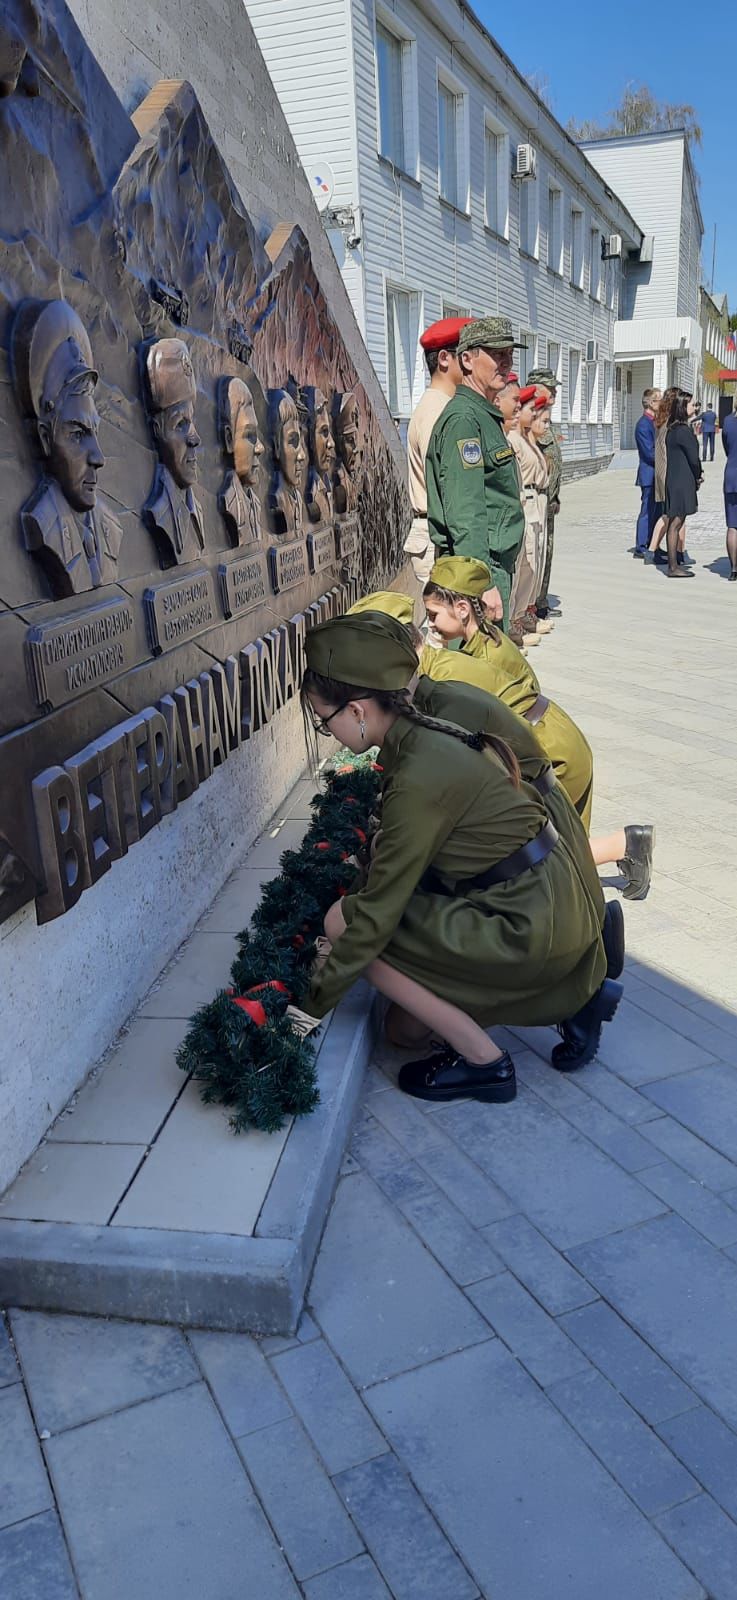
{"points": [[194, 472]]}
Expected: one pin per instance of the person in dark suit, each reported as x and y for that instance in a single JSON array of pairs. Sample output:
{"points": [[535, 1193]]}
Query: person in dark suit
{"points": [[645, 480], [682, 479], [708, 432], [729, 440]]}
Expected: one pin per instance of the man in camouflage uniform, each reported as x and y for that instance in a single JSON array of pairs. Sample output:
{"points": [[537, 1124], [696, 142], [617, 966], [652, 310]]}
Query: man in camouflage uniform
{"points": [[473, 500], [545, 377]]}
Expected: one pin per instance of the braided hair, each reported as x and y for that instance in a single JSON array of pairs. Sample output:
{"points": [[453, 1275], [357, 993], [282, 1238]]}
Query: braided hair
{"points": [[400, 702], [448, 597]]}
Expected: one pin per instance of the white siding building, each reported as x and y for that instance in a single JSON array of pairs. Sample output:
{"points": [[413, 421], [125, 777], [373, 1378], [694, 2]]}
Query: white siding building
{"points": [[425, 122], [657, 339]]}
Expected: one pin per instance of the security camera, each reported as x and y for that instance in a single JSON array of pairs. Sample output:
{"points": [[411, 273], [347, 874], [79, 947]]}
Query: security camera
{"points": [[353, 240]]}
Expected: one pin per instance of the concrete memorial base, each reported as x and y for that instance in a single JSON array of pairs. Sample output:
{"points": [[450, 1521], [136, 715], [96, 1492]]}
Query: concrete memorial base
{"points": [[141, 1203]]}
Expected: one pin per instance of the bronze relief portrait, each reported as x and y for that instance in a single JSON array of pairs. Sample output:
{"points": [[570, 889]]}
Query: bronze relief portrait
{"points": [[289, 464], [349, 446], [74, 539], [172, 511], [322, 457], [243, 446]]}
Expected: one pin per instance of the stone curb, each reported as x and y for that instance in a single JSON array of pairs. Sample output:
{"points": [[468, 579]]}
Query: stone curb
{"points": [[219, 1281]]}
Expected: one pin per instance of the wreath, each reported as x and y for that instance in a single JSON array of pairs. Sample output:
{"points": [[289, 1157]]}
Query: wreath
{"points": [[243, 1047]]}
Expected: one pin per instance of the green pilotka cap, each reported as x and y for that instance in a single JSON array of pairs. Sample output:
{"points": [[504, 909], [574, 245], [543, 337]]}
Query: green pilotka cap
{"points": [[489, 333], [461, 575], [371, 650], [544, 376], [388, 602]]}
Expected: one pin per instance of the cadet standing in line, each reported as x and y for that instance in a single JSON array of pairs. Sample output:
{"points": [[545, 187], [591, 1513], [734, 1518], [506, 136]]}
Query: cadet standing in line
{"points": [[454, 604], [473, 503], [545, 377], [440, 345], [473, 913]]}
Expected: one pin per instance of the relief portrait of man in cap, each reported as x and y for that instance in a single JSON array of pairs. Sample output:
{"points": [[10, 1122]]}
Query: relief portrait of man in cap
{"points": [[322, 457], [347, 429], [74, 539], [172, 511], [242, 443], [290, 464]]}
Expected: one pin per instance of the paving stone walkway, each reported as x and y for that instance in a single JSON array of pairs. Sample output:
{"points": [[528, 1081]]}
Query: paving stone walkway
{"points": [[516, 1375]]}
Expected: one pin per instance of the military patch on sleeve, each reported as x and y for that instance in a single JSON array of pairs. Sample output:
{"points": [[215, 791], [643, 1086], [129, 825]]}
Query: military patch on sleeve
{"points": [[503, 455], [470, 452]]}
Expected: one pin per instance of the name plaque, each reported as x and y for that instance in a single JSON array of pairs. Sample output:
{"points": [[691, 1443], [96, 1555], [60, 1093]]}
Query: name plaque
{"points": [[179, 610], [243, 583], [346, 538], [72, 653], [288, 565], [321, 549]]}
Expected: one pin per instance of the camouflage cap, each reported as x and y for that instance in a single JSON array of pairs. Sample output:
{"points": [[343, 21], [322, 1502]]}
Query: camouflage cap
{"points": [[543, 375], [489, 333]]}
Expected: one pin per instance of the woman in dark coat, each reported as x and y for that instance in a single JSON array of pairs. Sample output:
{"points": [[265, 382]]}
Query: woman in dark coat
{"points": [[682, 479]]}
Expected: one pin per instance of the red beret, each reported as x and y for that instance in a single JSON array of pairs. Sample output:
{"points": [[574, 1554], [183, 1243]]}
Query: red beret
{"points": [[528, 393], [512, 377], [543, 399], [444, 335]]}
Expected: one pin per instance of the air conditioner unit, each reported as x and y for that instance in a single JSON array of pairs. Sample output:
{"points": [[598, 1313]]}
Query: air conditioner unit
{"points": [[611, 245], [647, 248], [592, 349], [525, 161]]}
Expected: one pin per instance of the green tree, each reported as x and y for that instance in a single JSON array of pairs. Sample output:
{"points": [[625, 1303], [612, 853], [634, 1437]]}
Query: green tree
{"points": [[639, 111]]}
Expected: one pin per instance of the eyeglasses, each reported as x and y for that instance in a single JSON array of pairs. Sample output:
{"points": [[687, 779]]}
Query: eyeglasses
{"points": [[322, 724]]}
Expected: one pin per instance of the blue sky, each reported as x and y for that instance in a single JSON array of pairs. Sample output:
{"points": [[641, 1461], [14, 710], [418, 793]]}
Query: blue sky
{"points": [[684, 52]]}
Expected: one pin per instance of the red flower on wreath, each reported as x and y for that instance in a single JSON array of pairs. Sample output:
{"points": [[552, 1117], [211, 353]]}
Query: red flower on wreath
{"points": [[324, 844], [253, 1009], [361, 835]]}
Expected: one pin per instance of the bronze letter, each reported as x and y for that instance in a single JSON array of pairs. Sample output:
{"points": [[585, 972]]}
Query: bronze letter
{"points": [[211, 717], [227, 685], [177, 783], [61, 838], [188, 698]]}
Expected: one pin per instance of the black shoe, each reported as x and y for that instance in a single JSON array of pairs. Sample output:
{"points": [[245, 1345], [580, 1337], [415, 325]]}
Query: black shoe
{"points": [[732, 576], [637, 862], [679, 572], [612, 934], [545, 611], [581, 1034], [638, 554], [449, 1076], [660, 559], [680, 558]]}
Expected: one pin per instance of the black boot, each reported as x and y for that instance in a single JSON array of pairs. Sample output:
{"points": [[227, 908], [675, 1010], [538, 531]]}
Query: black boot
{"points": [[612, 934], [637, 861], [449, 1076], [581, 1034]]}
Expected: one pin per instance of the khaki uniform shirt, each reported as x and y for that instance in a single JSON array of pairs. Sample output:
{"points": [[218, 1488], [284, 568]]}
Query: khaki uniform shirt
{"points": [[419, 432]]}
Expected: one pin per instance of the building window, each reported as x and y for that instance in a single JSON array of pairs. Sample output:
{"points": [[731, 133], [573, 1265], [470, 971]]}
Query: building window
{"points": [[608, 411], [451, 309], [496, 177], [555, 230], [527, 356], [594, 263], [528, 216], [574, 385], [402, 324], [554, 362], [576, 248], [452, 144], [592, 415], [389, 67]]}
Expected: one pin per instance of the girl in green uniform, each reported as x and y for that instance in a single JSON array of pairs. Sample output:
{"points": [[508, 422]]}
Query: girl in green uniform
{"points": [[474, 911], [455, 608], [453, 685]]}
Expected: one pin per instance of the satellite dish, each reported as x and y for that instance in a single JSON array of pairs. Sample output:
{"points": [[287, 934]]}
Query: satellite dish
{"points": [[321, 179]]}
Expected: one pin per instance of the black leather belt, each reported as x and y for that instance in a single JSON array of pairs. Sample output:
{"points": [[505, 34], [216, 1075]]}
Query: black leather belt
{"points": [[536, 711], [546, 782], [529, 855]]}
